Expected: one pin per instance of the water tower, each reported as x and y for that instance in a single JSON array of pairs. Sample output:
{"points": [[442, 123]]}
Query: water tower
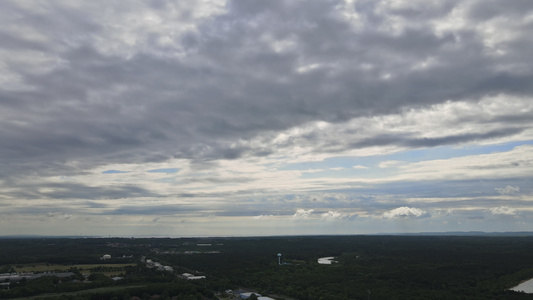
{"points": [[279, 258]]}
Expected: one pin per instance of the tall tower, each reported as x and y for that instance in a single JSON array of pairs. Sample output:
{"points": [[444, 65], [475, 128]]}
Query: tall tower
{"points": [[279, 258]]}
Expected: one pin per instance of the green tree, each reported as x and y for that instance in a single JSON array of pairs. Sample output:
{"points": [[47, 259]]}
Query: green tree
{"points": [[253, 297]]}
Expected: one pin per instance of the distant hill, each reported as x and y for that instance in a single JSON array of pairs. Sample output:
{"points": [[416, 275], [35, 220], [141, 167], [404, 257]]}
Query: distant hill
{"points": [[467, 233]]}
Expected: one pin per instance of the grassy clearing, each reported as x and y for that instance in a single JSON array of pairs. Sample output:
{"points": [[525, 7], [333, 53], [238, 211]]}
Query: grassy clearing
{"points": [[45, 267], [90, 291]]}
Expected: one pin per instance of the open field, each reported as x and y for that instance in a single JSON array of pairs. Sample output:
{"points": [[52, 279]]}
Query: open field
{"points": [[108, 269], [90, 291]]}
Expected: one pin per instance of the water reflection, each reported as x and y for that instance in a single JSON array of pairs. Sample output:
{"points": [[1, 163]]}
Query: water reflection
{"points": [[326, 260], [526, 286]]}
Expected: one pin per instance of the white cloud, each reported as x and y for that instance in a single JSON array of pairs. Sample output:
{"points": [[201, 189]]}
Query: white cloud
{"points": [[503, 210], [508, 190], [391, 164], [302, 213], [517, 162], [359, 167], [263, 217], [404, 211], [465, 122], [337, 169], [333, 215]]}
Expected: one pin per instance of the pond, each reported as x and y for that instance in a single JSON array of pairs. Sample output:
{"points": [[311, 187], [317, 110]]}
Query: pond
{"points": [[326, 260], [526, 287]]}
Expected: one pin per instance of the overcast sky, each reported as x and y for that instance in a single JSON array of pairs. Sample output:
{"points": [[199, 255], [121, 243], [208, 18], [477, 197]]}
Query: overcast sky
{"points": [[248, 117]]}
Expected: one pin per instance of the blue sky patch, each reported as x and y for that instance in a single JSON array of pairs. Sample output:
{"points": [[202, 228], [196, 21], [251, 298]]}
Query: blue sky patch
{"points": [[169, 170], [114, 172]]}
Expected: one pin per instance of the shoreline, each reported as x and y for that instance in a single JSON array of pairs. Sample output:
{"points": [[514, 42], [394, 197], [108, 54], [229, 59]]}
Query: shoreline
{"points": [[522, 282]]}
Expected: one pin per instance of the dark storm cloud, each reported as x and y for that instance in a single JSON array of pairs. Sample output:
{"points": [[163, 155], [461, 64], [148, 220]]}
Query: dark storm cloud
{"points": [[66, 23], [84, 192], [324, 143], [43, 209], [484, 10], [99, 107], [77, 191], [156, 210], [459, 139], [515, 164]]}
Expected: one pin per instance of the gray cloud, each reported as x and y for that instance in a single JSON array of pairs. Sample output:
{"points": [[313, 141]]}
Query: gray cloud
{"points": [[220, 179], [459, 139], [156, 210], [78, 191], [85, 88], [233, 84], [410, 142], [487, 10]]}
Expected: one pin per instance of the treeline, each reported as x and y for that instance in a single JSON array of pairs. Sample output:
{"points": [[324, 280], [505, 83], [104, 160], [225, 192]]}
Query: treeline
{"points": [[382, 267], [147, 282], [387, 267], [61, 251], [53, 284], [176, 288]]}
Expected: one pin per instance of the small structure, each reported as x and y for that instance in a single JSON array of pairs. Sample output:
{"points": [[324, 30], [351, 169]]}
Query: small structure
{"points": [[168, 268], [189, 276], [279, 258], [106, 257], [248, 294]]}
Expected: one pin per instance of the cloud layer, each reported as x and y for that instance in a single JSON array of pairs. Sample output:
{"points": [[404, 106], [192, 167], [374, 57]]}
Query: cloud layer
{"points": [[200, 116]]}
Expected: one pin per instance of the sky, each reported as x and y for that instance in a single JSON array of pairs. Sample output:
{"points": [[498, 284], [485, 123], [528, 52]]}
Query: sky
{"points": [[252, 118]]}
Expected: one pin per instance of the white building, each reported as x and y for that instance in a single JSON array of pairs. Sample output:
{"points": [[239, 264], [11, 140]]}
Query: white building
{"points": [[259, 297], [168, 268], [189, 276], [248, 294]]}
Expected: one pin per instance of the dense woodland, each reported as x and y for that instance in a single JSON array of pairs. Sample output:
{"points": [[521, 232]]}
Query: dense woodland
{"points": [[375, 267]]}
